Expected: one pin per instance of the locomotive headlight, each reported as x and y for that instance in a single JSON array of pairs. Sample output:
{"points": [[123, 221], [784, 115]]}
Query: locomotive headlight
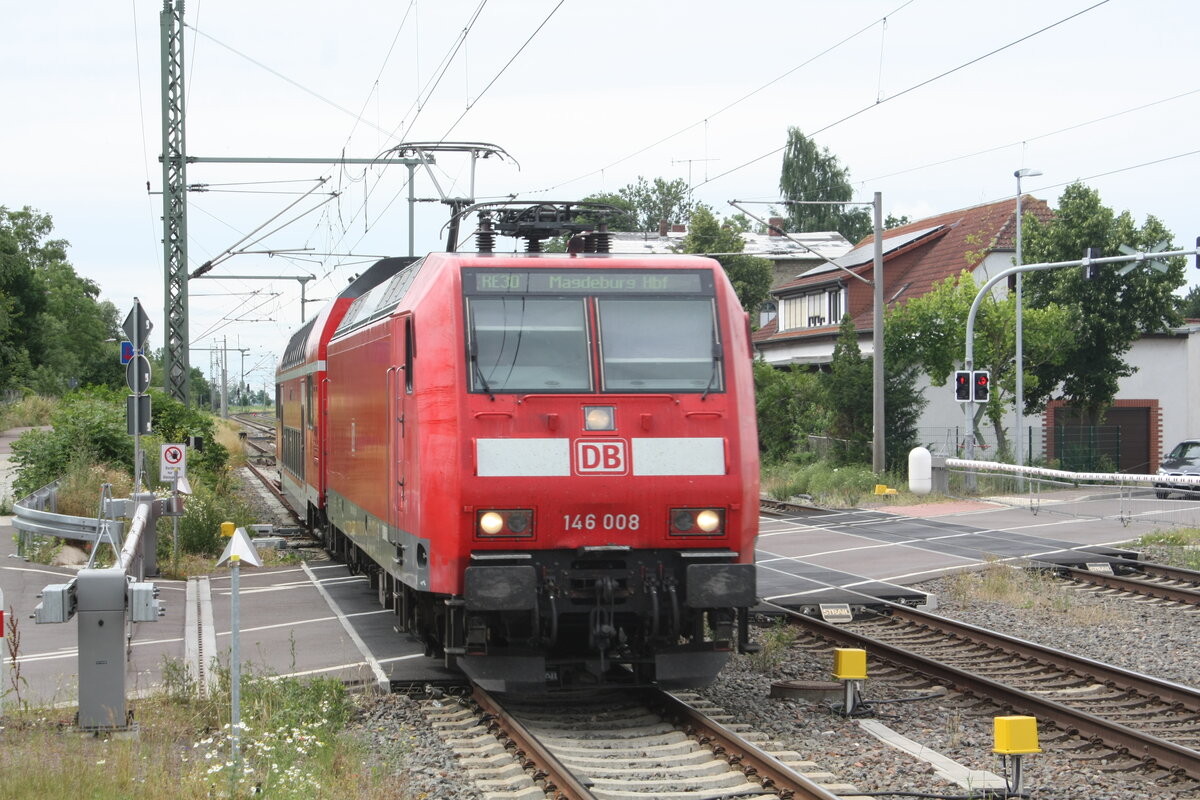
{"points": [[697, 521], [491, 523], [708, 520], [598, 418], [501, 522]]}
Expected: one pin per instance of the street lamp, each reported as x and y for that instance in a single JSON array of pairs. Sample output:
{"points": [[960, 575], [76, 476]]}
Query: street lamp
{"points": [[1020, 355]]}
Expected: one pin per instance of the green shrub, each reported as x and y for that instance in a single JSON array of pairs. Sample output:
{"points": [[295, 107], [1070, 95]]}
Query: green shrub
{"points": [[89, 426], [200, 526]]}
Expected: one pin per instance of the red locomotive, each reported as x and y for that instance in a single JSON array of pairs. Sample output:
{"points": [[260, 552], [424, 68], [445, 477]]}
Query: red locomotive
{"points": [[547, 463]]}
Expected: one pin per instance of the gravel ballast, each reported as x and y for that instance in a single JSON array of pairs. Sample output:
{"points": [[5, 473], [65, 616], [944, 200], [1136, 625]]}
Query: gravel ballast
{"points": [[1146, 637]]}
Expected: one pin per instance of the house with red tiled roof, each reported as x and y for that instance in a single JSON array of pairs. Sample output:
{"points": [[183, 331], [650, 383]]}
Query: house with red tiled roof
{"points": [[1156, 407], [915, 257]]}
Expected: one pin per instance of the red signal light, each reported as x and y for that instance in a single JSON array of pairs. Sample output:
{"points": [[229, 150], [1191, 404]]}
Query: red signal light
{"points": [[962, 386], [982, 386]]}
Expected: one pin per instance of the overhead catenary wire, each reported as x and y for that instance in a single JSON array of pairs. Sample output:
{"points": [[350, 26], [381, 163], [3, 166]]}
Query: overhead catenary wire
{"points": [[466, 110], [908, 90], [1028, 139], [726, 107]]}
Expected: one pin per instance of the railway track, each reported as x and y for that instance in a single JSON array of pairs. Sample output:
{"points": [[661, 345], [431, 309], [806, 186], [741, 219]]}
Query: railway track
{"points": [[1154, 721], [619, 745], [1138, 579], [262, 445]]}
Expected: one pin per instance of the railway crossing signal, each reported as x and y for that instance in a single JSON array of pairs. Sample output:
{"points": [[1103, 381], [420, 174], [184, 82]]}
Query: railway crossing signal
{"points": [[972, 386], [981, 381], [962, 386]]}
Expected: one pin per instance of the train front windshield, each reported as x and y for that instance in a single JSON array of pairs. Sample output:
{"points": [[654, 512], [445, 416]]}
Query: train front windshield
{"points": [[542, 331]]}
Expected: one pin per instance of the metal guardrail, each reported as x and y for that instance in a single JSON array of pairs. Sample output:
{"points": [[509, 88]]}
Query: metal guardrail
{"points": [[36, 515]]}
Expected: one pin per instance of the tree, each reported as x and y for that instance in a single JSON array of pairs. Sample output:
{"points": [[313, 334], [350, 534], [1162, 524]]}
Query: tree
{"points": [[929, 333], [848, 393], [652, 203], [1188, 306], [1107, 314], [626, 220], [903, 404], [750, 276], [52, 327], [790, 406], [813, 173]]}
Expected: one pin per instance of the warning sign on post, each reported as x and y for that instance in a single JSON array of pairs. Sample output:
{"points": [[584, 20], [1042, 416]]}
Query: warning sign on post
{"points": [[174, 462]]}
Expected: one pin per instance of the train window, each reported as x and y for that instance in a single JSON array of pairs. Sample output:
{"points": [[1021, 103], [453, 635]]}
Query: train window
{"points": [[659, 345], [308, 400], [410, 354], [527, 344]]}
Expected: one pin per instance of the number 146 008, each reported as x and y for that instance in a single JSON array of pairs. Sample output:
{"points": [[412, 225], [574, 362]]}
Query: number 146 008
{"points": [[602, 522]]}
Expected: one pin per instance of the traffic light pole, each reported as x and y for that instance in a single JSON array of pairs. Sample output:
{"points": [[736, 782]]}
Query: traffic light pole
{"points": [[969, 360]]}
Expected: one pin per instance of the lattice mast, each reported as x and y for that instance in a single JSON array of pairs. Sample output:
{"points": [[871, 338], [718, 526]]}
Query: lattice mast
{"points": [[176, 369]]}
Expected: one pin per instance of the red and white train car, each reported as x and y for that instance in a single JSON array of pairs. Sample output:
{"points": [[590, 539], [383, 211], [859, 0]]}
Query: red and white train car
{"points": [[300, 395], [548, 464]]}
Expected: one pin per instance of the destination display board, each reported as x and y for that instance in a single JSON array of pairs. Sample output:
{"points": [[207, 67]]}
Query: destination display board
{"points": [[591, 282]]}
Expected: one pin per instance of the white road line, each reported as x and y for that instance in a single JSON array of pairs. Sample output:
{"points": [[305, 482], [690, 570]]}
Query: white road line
{"points": [[380, 676]]}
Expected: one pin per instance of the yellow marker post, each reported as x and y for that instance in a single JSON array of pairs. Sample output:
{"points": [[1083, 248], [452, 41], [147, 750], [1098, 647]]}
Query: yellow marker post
{"points": [[850, 667], [1015, 736]]}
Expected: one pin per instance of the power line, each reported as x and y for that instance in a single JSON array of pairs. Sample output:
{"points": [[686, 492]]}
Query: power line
{"points": [[726, 107], [286, 79], [1118, 170], [985, 151], [912, 88], [495, 78]]}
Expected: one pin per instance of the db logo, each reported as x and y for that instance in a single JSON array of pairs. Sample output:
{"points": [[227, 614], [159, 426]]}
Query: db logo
{"points": [[596, 457]]}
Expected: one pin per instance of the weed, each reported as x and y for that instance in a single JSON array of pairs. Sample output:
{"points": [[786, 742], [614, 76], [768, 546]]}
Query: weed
{"points": [[12, 640], [773, 643], [42, 549]]}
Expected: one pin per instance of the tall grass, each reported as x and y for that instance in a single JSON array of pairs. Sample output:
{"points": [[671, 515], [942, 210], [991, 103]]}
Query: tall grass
{"points": [[31, 410], [1023, 587], [826, 484], [295, 744]]}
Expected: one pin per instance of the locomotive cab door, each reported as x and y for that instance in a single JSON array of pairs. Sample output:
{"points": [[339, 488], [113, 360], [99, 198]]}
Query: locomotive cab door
{"points": [[399, 390]]}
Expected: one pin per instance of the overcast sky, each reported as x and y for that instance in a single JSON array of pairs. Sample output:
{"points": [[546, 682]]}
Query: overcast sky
{"points": [[934, 103]]}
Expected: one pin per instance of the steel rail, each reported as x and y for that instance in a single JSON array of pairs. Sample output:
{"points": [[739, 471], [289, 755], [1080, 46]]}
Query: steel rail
{"points": [[1127, 583], [550, 772], [1147, 747], [754, 762]]}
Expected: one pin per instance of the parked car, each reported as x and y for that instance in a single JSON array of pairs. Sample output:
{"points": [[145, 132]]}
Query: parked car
{"points": [[1184, 459]]}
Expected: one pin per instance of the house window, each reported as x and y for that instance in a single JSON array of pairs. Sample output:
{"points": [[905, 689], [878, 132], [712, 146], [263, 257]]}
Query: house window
{"points": [[817, 309]]}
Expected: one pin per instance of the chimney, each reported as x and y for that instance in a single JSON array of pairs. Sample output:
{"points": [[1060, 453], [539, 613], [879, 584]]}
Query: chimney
{"points": [[776, 225]]}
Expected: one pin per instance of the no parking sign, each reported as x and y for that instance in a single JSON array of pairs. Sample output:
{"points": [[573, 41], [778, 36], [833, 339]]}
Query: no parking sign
{"points": [[174, 462]]}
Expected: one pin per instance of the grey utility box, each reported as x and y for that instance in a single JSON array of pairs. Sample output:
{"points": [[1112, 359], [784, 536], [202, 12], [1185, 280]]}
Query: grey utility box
{"points": [[101, 616], [58, 603], [144, 605]]}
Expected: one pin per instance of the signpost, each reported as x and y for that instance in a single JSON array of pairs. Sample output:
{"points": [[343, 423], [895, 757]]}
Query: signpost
{"points": [[137, 327], [173, 462], [239, 549]]}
